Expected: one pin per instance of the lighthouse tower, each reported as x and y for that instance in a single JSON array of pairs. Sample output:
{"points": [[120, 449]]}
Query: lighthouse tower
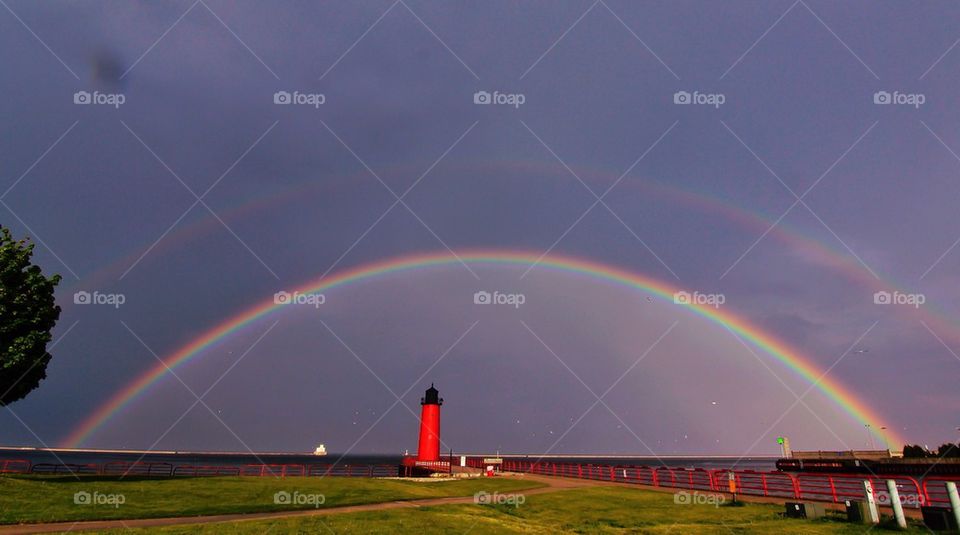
{"points": [[429, 449]]}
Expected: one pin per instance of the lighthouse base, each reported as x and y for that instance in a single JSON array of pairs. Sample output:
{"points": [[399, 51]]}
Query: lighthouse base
{"points": [[411, 467]]}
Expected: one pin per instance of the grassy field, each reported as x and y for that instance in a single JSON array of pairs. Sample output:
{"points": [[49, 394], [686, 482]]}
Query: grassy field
{"points": [[608, 510], [26, 499], [604, 509]]}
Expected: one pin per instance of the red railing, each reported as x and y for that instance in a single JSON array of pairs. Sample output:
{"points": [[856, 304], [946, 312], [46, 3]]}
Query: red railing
{"points": [[770, 484], [838, 488], [935, 490], [152, 469], [206, 471], [123, 468], [68, 469], [436, 466], [15, 466], [319, 470], [354, 470], [835, 488]]}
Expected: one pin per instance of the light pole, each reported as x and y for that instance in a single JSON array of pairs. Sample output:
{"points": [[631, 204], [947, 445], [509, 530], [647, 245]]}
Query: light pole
{"points": [[869, 435]]}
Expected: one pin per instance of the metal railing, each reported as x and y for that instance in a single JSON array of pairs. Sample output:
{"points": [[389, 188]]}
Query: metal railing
{"points": [[163, 469], [15, 466], [835, 488]]}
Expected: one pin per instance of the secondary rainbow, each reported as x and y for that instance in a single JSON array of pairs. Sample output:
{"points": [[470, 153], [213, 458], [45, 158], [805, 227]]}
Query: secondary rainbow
{"points": [[778, 349], [837, 260]]}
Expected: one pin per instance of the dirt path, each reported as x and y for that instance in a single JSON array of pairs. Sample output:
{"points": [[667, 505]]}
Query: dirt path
{"points": [[552, 485]]}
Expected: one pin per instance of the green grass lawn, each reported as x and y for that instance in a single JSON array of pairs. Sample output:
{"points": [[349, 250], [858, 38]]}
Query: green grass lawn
{"points": [[27, 499], [595, 510]]}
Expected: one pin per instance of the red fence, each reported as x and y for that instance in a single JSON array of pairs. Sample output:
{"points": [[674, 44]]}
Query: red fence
{"points": [[15, 466], [206, 471], [156, 469], [835, 488], [121, 468], [935, 490], [841, 487]]}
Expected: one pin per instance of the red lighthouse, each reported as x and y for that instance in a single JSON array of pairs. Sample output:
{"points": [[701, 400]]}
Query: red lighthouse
{"points": [[429, 449]]}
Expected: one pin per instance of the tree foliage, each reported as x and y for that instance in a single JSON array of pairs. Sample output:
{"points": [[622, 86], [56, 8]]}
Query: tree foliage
{"points": [[915, 451], [28, 312], [945, 451], [948, 451]]}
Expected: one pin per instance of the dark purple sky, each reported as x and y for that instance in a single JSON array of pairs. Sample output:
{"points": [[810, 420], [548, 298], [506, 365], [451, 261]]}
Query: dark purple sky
{"points": [[704, 197]]}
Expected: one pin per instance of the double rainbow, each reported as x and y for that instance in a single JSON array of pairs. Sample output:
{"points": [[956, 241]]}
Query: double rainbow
{"points": [[776, 348]]}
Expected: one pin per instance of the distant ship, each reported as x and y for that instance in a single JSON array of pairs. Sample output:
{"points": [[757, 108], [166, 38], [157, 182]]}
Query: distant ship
{"points": [[321, 450]]}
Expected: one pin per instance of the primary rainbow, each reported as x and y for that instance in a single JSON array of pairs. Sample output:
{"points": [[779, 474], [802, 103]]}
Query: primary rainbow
{"points": [[765, 341]]}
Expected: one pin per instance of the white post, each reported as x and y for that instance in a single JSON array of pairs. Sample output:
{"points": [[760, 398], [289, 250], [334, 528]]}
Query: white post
{"points": [[954, 500], [895, 502], [871, 502]]}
